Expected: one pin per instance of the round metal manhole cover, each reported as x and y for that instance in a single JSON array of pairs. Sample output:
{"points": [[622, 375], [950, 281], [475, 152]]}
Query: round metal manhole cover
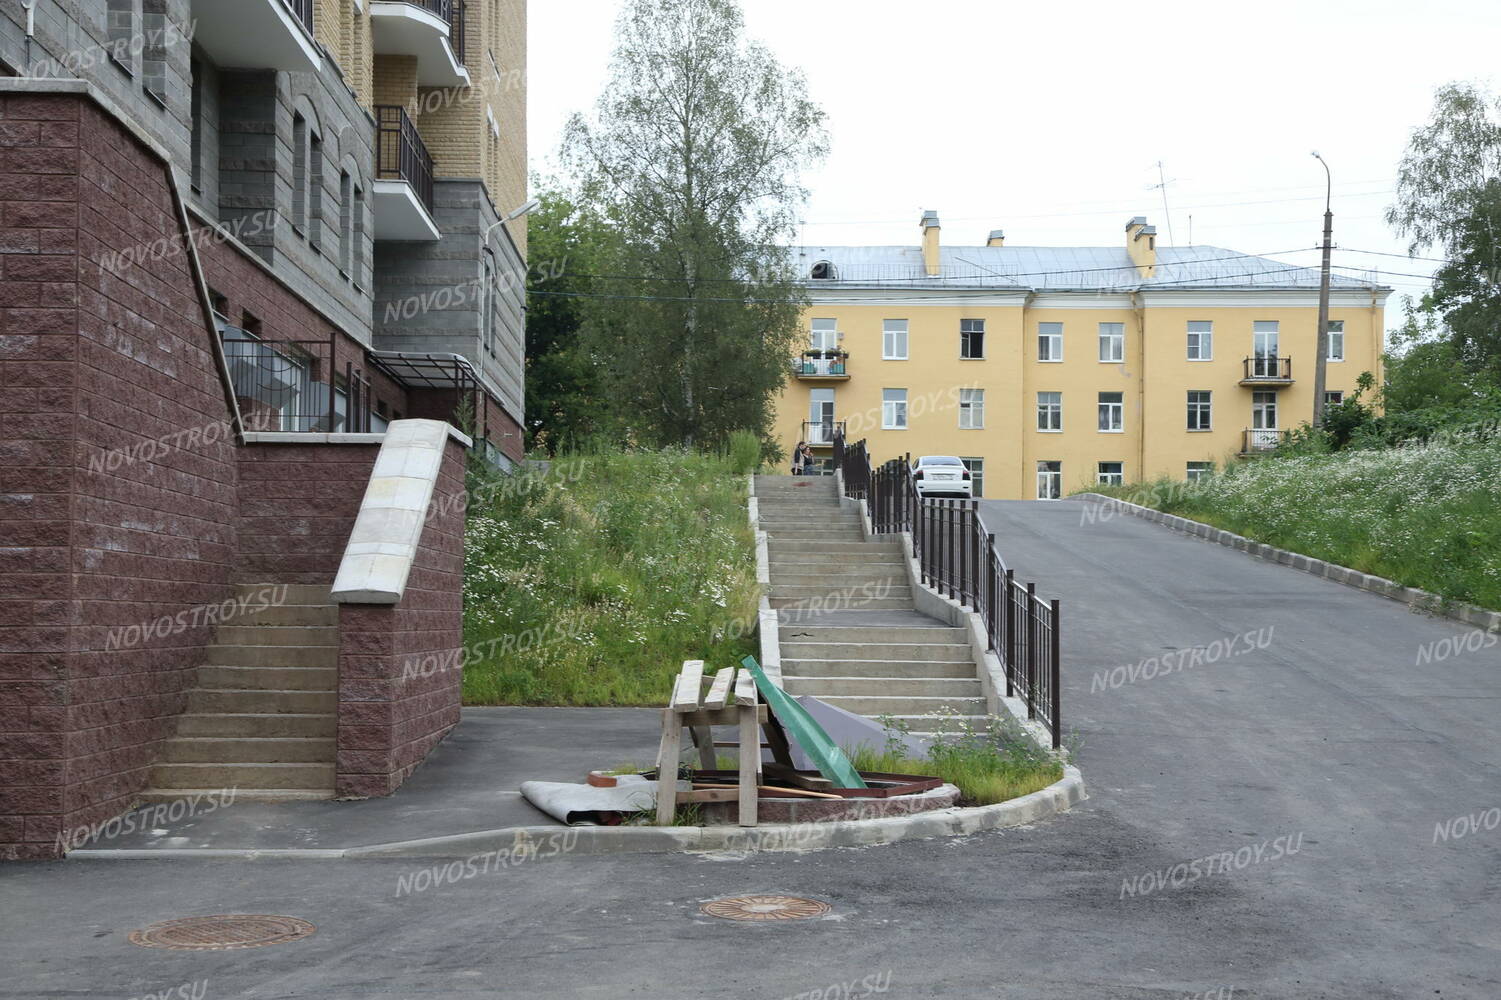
{"points": [[222, 932], [765, 908]]}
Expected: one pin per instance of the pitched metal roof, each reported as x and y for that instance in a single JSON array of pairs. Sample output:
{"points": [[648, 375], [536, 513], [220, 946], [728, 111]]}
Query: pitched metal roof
{"points": [[1046, 269]]}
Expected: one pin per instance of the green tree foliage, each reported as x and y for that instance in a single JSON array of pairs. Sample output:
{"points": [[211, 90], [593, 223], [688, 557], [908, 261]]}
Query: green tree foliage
{"points": [[693, 156]]}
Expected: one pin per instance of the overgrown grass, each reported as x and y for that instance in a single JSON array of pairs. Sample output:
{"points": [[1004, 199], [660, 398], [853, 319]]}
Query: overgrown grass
{"points": [[591, 585], [1426, 516], [991, 764]]}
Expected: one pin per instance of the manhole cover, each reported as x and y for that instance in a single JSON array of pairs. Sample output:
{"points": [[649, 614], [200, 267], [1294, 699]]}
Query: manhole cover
{"points": [[765, 908], [222, 932]]}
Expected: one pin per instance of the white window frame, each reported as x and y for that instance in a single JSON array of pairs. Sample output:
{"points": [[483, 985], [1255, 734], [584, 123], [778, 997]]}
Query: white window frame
{"points": [[1204, 408], [1053, 410], [971, 409], [1195, 471], [1201, 342], [1052, 335], [976, 467], [976, 326], [823, 338], [891, 330], [1338, 394], [1049, 480], [1116, 409], [1116, 478], [893, 410], [1264, 411], [1336, 329], [1113, 336]]}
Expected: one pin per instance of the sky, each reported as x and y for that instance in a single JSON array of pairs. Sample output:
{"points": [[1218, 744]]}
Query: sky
{"points": [[1050, 120]]}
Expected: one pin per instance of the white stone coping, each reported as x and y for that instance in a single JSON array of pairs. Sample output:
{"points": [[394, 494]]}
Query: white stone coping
{"points": [[767, 624], [1413, 597], [383, 543], [379, 437]]}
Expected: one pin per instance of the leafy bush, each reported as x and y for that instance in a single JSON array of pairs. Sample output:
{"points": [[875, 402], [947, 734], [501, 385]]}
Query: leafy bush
{"points": [[990, 763], [590, 585]]}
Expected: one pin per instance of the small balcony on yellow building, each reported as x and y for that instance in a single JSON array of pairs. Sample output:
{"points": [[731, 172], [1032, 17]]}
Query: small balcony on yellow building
{"points": [[1267, 371], [1260, 441], [430, 30], [822, 366]]}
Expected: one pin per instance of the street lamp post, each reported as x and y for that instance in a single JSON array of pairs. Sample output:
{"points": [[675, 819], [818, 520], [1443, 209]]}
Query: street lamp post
{"points": [[1321, 362]]}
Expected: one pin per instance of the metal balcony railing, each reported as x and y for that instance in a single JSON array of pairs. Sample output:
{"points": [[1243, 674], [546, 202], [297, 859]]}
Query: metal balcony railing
{"points": [[296, 386], [1262, 439], [1268, 368], [821, 364], [401, 154], [303, 11], [821, 433]]}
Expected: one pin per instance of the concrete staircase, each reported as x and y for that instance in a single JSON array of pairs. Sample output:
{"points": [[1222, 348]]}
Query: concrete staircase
{"points": [[262, 718], [849, 632]]}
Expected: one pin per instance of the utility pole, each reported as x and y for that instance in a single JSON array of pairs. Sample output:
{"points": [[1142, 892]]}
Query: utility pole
{"points": [[1321, 363]]}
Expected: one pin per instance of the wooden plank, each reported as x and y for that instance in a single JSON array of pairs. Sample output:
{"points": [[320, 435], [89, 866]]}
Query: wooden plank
{"points": [[709, 795], [719, 691], [723, 717], [780, 751], [797, 793], [750, 762], [745, 688], [689, 687], [667, 767], [703, 738], [783, 773]]}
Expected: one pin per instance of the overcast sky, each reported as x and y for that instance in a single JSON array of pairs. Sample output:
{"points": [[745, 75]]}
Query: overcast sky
{"points": [[1048, 120]]}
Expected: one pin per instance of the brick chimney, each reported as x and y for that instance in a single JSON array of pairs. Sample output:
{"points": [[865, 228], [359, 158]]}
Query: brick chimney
{"points": [[1141, 244], [997, 238], [931, 257]]}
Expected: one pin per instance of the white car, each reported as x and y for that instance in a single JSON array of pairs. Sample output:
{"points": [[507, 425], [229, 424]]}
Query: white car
{"points": [[942, 475]]}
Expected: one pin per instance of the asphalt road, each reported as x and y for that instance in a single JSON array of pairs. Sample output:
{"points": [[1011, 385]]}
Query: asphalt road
{"points": [[1310, 810]]}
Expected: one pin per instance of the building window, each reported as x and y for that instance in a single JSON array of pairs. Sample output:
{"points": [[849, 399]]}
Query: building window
{"points": [[1050, 411], [1199, 470], [315, 192], [1264, 411], [1333, 398], [1199, 410], [971, 409], [1112, 412], [1112, 342], [1264, 335], [894, 340], [299, 172], [971, 339], [120, 27], [487, 303], [1049, 480], [357, 252], [154, 50], [894, 409], [1200, 340], [825, 335], [195, 113], [823, 271], [1049, 341], [1110, 474], [346, 220], [976, 467], [1336, 340]]}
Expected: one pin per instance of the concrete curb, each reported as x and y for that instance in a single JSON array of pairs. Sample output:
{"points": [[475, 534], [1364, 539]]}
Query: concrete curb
{"points": [[1419, 600], [957, 821]]}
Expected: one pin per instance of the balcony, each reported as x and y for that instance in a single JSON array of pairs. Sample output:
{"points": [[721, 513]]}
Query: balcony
{"points": [[822, 366], [430, 30], [1260, 440], [1267, 369], [403, 179], [258, 34], [820, 433], [291, 386]]}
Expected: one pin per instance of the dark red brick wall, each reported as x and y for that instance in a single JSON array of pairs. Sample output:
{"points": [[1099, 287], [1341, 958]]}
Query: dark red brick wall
{"points": [[298, 503], [491, 422], [399, 665]]}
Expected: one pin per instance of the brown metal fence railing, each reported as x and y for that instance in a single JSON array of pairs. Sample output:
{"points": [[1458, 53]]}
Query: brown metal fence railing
{"points": [[958, 558]]}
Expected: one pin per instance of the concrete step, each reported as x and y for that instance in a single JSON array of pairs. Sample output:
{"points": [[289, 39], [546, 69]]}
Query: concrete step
{"points": [[258, 724], [840, 578], [812, 523], [914, 687], [292, 614], [847, 591], [296, 593], [799, 632], [929, 725], [836, 602], [214, 775], [269, 678], [248, 750], [876, 705], [815, 533], [884, 670], [263, 634], [776, 547], [240, 794], [915, 652], [222, 655], [203, 701]]}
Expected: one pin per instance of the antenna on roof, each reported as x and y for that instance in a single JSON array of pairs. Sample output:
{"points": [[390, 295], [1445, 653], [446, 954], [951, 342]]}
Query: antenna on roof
{"points": [[1162, 184]]}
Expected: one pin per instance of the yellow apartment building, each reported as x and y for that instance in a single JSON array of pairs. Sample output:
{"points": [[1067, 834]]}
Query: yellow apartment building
{"points": [[1050, 369]]}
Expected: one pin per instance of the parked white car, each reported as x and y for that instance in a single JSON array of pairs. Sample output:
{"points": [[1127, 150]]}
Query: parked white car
{"points": [[942, 476]]}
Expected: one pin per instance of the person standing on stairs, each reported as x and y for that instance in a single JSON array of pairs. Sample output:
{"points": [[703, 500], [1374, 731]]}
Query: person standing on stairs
{"points": [[799, 458]]}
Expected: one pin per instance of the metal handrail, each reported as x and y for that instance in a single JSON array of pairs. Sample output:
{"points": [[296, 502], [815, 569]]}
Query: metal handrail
{"points": [[303, 11], [400, 152], [294, 385], [1271, 367], [957, 556]]}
